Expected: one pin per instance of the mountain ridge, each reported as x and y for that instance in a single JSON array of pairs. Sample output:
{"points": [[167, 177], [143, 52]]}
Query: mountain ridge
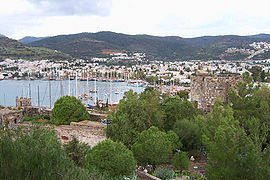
{"points": [[30, 39], [84, 45], [10, 48]]}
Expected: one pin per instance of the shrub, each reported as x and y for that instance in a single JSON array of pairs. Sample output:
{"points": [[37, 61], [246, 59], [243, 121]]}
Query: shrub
{"points": [[76, 150], [181, 161], [36, 155], [164, 173], [154, 146], [68, 109], [111, 158]]}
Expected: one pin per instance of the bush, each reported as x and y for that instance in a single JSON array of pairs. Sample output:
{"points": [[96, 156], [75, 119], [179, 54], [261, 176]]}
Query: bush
{"points": [[135, 113], [154, 146], [111, 158], [76, 150], [37, 118], [68, 109], [181, 161], [164, 173], [188, 133], [37, 155]]}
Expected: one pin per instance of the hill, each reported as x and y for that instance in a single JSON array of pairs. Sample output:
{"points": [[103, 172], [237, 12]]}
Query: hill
{"points": [[85, 45], [1, 35], [29, 39], [13, 49]]}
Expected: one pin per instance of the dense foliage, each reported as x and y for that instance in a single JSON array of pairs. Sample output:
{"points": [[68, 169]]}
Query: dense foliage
{"points": [[177, 109], [135, 113], [236, 135], [234, 153], [154, 146], [181, 161], [189, 134], [164, 173], [68, 109], [111, 158], [76, 150], [37, 155]]}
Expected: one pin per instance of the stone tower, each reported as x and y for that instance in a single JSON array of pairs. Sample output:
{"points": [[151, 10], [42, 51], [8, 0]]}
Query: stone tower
{"points": [[23, 102], [205, 88]]}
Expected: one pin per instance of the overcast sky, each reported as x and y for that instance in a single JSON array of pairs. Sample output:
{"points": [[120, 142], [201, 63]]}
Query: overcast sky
{"points": [[184, 18]]}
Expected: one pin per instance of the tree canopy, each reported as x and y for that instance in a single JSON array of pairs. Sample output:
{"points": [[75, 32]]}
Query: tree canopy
{"points": [[111, 158], [178, 109], [68, 109], [135, 113], [154, 146], [234, 153], [37, 155], [76, 150], [181, 161]]}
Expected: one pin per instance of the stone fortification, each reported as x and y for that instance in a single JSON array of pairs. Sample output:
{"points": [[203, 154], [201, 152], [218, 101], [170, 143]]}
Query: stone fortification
{"points": [[205, 88], [23, 102]]}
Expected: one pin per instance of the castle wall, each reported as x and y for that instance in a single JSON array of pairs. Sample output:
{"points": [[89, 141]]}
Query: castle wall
{"points": [[204, 89]]}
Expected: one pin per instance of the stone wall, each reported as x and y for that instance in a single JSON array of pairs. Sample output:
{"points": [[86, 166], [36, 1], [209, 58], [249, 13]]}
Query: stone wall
{"points": [[9, 117], [90, 136], [31, 111], [23, 102], [205, 88]]}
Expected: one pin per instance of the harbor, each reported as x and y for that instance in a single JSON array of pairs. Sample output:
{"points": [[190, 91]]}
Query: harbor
{"points": [[45, 92]]}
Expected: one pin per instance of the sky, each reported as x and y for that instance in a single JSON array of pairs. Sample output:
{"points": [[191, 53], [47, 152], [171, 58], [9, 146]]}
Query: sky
{"points": [[184, 18]]}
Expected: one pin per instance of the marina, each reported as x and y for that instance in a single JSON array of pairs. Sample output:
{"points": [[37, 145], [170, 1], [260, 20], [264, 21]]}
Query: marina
{"points": [[45, 92]]}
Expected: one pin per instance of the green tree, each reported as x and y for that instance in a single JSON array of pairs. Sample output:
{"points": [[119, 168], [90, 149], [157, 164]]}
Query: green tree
{"points": [[134, 114], [76, 150], [34, 155], [164, 173], [233, 152], [189, 134], [177, 109], [68, 109], [153, 147], [111, 158], [256, 73], [181, 161], [250, 102]]}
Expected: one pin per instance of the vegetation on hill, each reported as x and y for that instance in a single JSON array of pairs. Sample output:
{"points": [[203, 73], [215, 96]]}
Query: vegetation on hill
{"points": [[164, 48], [10, 48]]}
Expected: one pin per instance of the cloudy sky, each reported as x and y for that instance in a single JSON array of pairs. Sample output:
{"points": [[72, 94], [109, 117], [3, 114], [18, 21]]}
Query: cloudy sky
{"points": [[185, 18]]}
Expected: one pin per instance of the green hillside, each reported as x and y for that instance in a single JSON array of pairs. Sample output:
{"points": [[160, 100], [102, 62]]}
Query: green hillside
{"points": [[10, 48], [166, 48]]}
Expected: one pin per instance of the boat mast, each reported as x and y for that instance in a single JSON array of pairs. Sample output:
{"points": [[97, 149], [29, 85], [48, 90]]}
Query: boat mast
{"points": [[95, 90], [69, 84], [50, 95], [87, 89], [29, 90], [111, 89], [38, 97], [76, 92], [61, 88]]}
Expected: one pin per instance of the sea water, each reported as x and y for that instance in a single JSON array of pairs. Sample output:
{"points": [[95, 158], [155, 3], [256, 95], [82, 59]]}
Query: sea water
{"points": [[111, 91]]}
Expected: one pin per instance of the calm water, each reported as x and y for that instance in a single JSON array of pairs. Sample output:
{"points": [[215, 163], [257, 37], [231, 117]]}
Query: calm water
{"points": [[9, 89]]}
